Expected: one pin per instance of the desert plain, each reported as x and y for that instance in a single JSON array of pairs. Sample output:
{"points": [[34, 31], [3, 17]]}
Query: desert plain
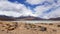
{"points": [[29, 27]]}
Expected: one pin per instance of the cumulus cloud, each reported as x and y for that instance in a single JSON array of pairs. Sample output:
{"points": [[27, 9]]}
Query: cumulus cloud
{"points": [[13, 9]]}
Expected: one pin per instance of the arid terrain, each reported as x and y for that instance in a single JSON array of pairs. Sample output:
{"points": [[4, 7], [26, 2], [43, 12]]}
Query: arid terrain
{"points": [[13, 27]]}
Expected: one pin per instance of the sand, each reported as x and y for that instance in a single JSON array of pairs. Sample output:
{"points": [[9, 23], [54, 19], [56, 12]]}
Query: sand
{"points": [[10, 27]]}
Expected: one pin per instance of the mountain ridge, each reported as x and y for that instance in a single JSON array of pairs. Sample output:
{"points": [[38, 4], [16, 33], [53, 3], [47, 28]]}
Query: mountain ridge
{"points": [[6, 18]]}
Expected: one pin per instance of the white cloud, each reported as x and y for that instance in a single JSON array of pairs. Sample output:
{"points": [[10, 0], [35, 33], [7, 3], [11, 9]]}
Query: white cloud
{"points": [[34, 1], [13, 9], [43, 8], [53, 14]]}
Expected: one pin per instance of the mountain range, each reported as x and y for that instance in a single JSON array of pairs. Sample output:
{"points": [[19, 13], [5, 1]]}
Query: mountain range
{"points": [[9, 18]]}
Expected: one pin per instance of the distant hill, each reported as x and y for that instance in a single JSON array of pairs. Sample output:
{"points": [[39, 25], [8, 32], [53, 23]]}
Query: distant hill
{"points": [[29, 18], [55, 18], [6, 18], [35, 18]]}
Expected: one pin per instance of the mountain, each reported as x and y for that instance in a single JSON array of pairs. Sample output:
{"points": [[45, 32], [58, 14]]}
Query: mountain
{"points": [[36, 18], [55, 18], [6, 18], [29, 18]]}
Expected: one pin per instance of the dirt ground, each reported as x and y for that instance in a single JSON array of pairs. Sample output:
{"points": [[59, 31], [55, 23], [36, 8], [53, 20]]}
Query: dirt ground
{"points": [[7, 27]]}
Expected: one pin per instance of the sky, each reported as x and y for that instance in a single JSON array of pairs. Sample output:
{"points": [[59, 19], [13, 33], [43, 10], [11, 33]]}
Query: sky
{"points": [[45, 9]]}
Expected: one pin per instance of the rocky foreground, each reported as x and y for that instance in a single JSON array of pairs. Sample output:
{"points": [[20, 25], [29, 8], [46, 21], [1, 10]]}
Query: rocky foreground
{"points": [[10, 27]]}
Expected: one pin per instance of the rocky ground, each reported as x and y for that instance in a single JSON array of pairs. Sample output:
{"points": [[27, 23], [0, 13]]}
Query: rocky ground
{"points": [[8, 27]]}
